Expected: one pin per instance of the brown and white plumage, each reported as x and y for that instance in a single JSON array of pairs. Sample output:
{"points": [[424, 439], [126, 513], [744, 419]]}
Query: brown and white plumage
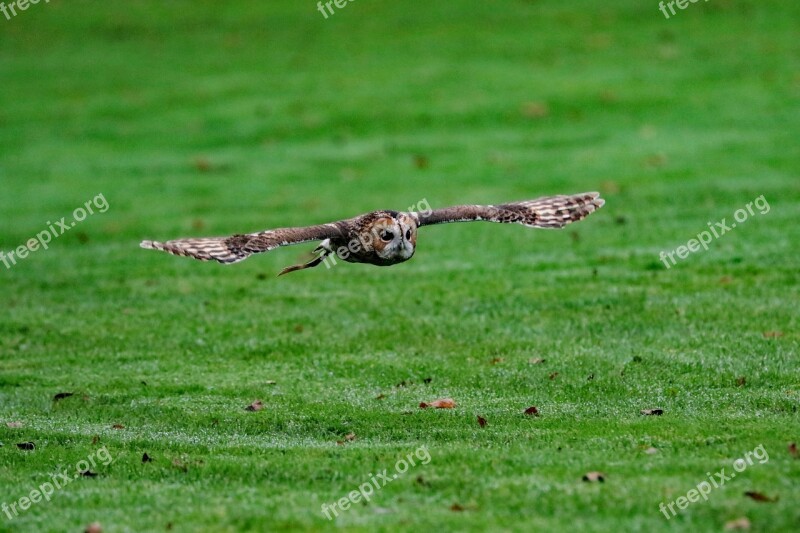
{"points": [[381, 237]]}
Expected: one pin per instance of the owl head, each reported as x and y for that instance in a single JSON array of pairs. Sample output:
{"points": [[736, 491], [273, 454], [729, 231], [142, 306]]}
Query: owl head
{"points": [[394, 236]]}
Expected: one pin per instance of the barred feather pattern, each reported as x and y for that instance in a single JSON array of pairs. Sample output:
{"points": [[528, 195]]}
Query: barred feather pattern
{"points": [[229, 250], [548, 212], [381, 238]]}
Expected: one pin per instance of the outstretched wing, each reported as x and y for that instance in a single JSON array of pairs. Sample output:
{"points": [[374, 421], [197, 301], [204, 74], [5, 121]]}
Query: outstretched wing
{"points": [[546, 212], [239, 247]]}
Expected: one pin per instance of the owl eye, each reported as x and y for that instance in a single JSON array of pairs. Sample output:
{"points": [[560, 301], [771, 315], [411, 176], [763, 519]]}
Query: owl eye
{"points": [[387, 236], [408, 234]]}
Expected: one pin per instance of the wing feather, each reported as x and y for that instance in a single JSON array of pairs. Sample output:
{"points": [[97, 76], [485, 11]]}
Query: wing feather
{"points": [[235, 248], [546, 212]]}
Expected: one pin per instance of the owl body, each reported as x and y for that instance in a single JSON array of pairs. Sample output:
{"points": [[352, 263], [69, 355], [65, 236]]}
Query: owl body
{"points": [[381, 238]]}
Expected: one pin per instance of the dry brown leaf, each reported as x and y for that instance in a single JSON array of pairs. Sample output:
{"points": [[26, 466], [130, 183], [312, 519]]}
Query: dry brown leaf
{"points": [[760, 497], [652, 412], [118, 426], [255, 406], [773, 334], [592, 477], [481, 421], [738, 524], [350, 437], [535, 110], [444, 403], [457, 507], [177, 463], [532, 411], [94, 527]]}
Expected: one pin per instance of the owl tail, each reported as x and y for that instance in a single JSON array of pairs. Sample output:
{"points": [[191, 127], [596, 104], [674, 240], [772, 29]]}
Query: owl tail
{"points": [[323, 247], [311, 264]]}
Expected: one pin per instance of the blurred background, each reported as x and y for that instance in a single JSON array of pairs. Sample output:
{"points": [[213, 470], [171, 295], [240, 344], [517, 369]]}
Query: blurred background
{"points": [[196, 118]]}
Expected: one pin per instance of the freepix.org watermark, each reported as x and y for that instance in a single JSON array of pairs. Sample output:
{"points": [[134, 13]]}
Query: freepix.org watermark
{"points": [[682, 4], [327, 7], [376, 482], [423, 210], [715, 231], [57, 481], [54, 230], [715, 481], [12, 7]]}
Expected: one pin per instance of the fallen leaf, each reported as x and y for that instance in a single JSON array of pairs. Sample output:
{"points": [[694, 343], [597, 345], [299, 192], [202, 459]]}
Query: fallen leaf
{"points": [[180, 465], [496, 360], [532, 411], [350, 437], [14, 425], [255, 406], [146, 458], [739, 523], [759, 497], [652, 412], [118, 426], [535, 110], [536, 360], [481, 421], [773, 334], [592, 477], [62, 395], [421, 161], [456, 507], [793, 450], [202, 164], [444, 403], [88, 473], [26, 446], [94, 527]]}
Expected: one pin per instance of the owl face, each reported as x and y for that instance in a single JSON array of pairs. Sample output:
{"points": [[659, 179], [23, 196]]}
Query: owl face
{"points": [[394, 237]]}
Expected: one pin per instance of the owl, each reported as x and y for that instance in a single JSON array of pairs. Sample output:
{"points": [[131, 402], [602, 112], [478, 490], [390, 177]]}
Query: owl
{"points": [[381, 238]]}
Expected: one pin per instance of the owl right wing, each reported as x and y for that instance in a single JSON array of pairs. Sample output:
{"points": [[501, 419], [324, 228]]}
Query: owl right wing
{"points": [[546, 212], [237, 248]]}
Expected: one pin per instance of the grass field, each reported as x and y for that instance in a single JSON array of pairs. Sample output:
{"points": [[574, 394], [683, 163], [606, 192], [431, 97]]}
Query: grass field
{"points": [[211, 118]]}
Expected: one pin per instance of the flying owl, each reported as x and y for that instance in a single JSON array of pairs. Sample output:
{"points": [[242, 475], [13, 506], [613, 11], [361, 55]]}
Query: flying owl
{"points": [[381, 238]]}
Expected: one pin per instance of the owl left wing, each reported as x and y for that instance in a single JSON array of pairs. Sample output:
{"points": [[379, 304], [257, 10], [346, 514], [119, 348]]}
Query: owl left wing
{"points": [[238, 247], [546, 212]]}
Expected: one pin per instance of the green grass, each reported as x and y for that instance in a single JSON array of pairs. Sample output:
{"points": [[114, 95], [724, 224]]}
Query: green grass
{"points": [[210, 118]]}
